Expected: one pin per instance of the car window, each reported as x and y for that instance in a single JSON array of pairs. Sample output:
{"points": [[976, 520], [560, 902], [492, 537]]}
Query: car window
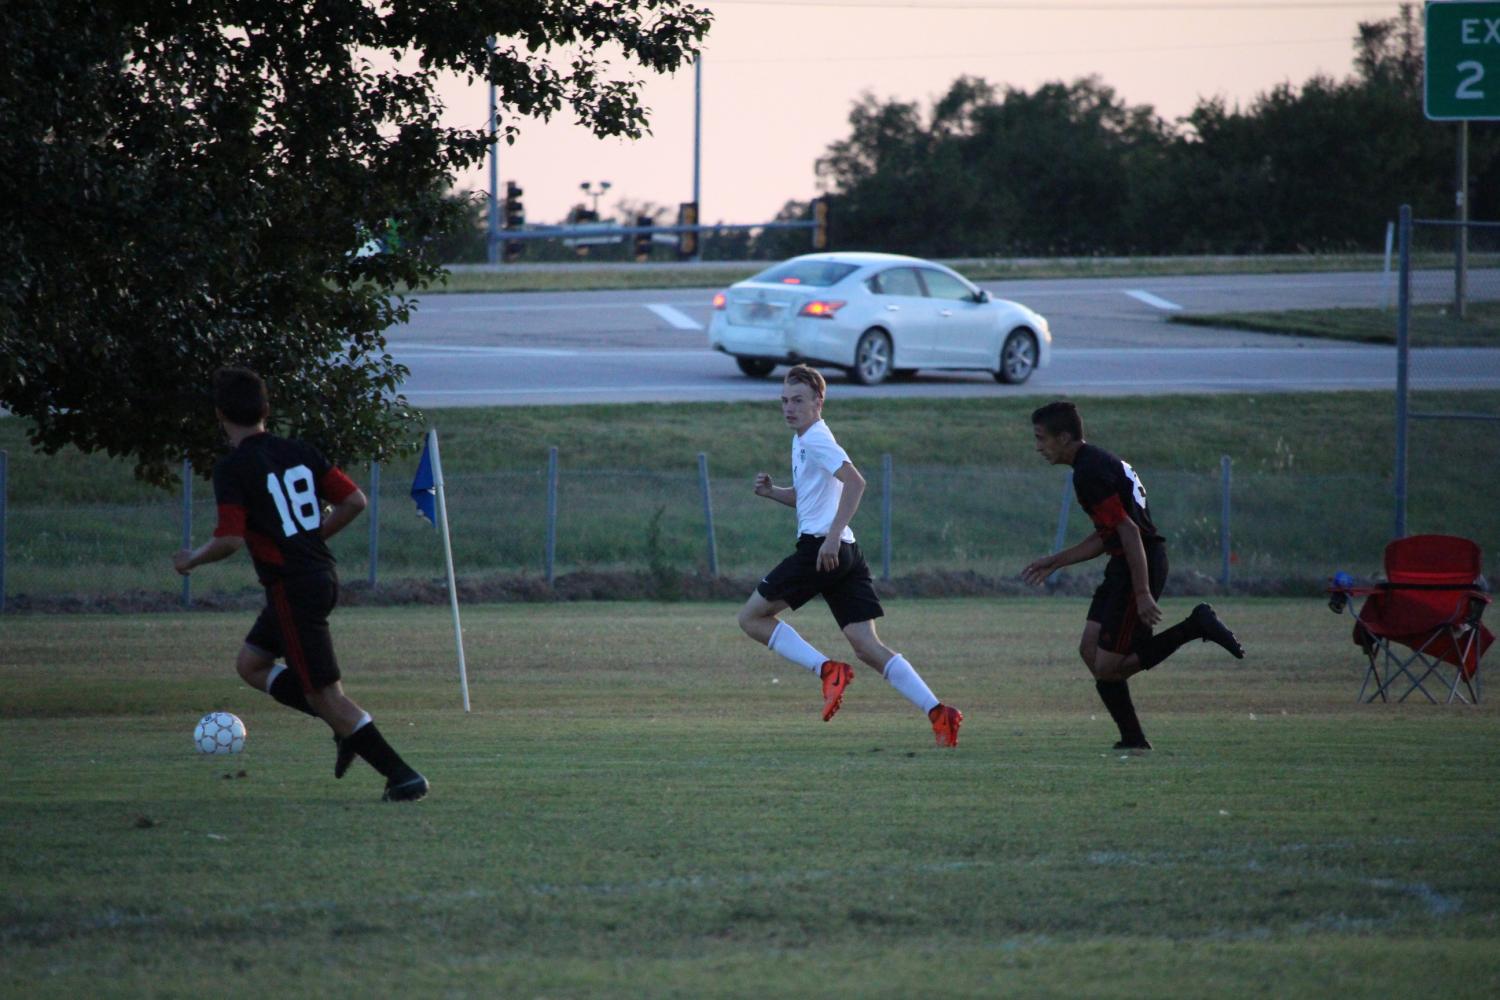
{"points": [[897, 281], [941, 285], [813, 273]]}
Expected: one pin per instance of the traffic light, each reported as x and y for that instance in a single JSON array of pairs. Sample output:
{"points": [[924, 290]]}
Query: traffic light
{"points": [[643, 240], [687, 242], [515, 218], [515, 212], [820, 224]]}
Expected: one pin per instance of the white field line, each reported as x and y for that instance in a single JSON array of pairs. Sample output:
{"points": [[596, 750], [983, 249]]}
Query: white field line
{"points": [[1434, 903], [1153, 300], [675, 317]]}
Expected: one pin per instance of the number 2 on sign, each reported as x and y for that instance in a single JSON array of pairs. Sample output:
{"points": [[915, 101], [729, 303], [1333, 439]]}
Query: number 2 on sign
{"points": [[1467, 86], [302, 495]]}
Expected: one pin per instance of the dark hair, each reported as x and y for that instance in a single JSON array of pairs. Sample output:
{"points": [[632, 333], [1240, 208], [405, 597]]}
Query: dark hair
{"points": [[1058, 417], [810, 377], [241, 396]]}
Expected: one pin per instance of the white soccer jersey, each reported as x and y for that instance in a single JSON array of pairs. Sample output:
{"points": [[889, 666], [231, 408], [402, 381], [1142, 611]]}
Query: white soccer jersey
{"points": [[816, 456]]}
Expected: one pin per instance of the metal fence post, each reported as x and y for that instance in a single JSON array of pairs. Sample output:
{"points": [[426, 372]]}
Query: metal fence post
{"points": [[1403, 350], [1461, 241], [374, 520], [1390, 239], [1224, 465], [885, 516], [187, 527], [4, 492], [1062, 522], [551, 510], [708, 515]]}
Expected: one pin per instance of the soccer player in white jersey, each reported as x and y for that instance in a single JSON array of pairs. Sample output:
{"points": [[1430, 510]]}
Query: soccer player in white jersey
{"points": [[826, 490]]}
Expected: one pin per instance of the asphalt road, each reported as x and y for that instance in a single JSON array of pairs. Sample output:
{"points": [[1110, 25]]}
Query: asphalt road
{"points": [[1110, 337]]}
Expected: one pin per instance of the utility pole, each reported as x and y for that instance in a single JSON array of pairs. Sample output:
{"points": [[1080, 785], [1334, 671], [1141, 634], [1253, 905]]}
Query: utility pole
{"points": [[697, 145], [492, 236]]}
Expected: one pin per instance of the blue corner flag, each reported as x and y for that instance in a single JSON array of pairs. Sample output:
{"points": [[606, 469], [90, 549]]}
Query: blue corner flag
{"points": [[424, 488]]}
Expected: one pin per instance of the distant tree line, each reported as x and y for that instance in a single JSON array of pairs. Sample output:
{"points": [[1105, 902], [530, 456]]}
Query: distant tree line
{"points": [[1071, 169]]}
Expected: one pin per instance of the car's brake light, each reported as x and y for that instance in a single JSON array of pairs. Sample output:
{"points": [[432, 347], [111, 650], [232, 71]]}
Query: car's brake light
{"points": [[719, 301], [791, 280], [821, 308]]}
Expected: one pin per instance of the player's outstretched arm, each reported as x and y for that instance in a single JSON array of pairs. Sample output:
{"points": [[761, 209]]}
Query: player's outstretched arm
{"points": [[1037, 571], [346, 510], [781, 494], [216, 548]]}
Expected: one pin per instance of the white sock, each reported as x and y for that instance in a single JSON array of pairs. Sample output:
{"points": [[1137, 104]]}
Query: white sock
{"points": [[364, 720], [276, 669], [906, 680], [786, 642]]}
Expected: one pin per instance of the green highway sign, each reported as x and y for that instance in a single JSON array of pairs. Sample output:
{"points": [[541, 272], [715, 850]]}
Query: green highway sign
{"points": [[1462, 62]]}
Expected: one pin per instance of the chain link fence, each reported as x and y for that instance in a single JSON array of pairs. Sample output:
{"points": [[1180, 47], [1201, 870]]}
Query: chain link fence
{"points": [[1448, 336], [631, 533]]}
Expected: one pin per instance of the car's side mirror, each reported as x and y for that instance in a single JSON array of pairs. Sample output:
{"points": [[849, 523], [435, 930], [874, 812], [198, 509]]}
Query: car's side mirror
{"points": [[981, 296]]}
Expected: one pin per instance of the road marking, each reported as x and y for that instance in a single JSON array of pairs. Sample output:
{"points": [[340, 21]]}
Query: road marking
{"points": [[1152, 300], [428, 307], [508, 352], [673, 316]]}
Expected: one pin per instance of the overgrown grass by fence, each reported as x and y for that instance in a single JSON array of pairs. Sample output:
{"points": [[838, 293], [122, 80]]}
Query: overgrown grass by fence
{"points": [[1310, 495]]}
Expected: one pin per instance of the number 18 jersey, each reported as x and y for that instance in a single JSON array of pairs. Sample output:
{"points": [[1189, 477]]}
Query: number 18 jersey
{"points": [[270, 492]]}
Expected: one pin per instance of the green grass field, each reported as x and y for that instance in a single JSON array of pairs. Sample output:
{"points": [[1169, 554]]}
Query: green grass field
{"points": [[1431, 325], [585, 276], [969, 493], [643, 803]]}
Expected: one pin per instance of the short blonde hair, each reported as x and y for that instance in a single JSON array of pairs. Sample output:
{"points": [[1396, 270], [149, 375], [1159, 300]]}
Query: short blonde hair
{"points": [[810, 377]]}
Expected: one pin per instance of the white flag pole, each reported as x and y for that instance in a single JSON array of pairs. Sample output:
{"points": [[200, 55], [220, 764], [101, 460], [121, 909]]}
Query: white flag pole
{"points": [[442, 509]]}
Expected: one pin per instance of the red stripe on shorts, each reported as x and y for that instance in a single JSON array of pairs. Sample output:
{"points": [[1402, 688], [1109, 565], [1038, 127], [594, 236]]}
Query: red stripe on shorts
{"points": [[295, 658]]}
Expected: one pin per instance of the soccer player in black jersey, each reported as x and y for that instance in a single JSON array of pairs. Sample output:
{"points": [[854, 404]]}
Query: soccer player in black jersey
{"points": [[1117, 637], [271, 494]]}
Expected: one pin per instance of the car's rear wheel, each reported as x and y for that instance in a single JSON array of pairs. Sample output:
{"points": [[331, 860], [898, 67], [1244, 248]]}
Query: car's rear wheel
{"points": [[755, 367], [872, 358], [1017, 357]]}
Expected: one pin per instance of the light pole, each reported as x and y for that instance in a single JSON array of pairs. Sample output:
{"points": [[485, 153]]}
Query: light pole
{"points": [[492, 229], [588, 189]]}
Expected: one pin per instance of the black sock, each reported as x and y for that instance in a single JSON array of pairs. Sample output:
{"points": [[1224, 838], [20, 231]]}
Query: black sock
{"points": [[1116, 698], [1160, 646], [288, 690], [369, 744]]}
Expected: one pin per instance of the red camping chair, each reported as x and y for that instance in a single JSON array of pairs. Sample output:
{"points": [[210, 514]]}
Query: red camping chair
{"points": [[1431, 605]]}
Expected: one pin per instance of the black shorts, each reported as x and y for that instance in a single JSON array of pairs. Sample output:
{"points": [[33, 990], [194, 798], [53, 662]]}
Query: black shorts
{"points": [[849, 591], [294, 625], [1113, 607]]}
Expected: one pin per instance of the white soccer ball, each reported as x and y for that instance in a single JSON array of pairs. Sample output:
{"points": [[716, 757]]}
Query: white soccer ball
{"points": [[219, 732]]}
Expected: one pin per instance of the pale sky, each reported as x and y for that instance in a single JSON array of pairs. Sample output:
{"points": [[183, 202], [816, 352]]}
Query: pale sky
{"points": [[780, 77]]}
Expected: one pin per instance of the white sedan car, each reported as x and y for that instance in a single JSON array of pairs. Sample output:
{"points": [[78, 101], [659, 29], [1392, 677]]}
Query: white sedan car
{"points": [[875, 315]]}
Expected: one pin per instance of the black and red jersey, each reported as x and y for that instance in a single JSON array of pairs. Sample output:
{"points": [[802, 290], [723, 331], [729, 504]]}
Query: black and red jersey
{"points": [[271, 491], [1110, 492]]}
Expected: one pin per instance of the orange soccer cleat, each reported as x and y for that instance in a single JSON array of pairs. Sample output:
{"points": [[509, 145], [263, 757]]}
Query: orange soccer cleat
{"points": [[836, 677], [945, 723]]}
